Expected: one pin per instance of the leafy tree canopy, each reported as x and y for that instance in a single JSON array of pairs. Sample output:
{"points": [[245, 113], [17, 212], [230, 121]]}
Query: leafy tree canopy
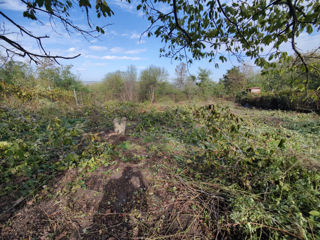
{"points": [[16, 73], [233, 80], [283, 74], [211, 28], [150, 79]]}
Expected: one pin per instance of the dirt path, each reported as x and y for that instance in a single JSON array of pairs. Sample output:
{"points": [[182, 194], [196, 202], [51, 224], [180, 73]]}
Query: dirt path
{"points": [[100, 209], [124, 200]]}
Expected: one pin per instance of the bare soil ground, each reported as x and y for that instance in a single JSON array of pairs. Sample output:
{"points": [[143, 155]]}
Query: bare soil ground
{"points": [[126, 200]]}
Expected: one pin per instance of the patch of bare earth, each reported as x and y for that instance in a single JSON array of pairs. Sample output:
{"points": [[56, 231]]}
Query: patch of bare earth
{"points": [[121, 201]]}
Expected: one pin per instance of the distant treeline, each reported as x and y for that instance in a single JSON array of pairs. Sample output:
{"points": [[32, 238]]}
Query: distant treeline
{"points": [[284, 85], [153, 85]]}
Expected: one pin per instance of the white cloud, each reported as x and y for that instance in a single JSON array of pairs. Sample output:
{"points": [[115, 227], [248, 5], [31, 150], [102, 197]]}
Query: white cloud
{"points": [[139, 37], [135, 51], [141, 41], [135, 36], [98, 48], [141, 67], [92, 56], [14, 5], [122, 4], [72, 49], [113, 33], [100, 64], [80, 69], [132, 51], [111, 57], [116, 50], [129, 7], [164, 8]]}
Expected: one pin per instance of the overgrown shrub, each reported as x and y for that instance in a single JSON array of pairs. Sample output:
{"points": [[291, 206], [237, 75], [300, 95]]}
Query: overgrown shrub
{"points": [[36, 93], [243, 182], [271, 194], [283, 100]]}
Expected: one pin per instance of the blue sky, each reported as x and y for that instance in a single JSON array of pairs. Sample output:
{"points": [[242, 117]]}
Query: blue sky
{"points": [[120, 47]]}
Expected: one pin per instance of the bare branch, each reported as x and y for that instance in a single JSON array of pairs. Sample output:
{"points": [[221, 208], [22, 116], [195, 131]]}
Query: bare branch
{"points": [[33, 56], [292, 11], [58, 14], [64, 20]]}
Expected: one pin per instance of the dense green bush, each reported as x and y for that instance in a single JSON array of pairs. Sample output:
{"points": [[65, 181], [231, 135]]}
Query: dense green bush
{"points": [[35, 93], [265, 191], [271, 194], [283, 100]]}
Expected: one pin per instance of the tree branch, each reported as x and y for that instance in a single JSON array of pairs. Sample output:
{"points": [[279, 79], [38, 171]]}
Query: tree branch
{"points": [[58, 13], [33, 56], [64, 20], [177, 23], [233, 23], [292, 12], [22, 29]]}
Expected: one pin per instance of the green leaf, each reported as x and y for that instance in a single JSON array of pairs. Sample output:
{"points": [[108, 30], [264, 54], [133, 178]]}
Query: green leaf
{"points": [[4, 144], [48, 5], [309, 29], [40, 3], [281, 143], [314, 213]]}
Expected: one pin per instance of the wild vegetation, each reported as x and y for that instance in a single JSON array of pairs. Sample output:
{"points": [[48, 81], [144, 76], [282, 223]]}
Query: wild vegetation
{"points": [[285, 86], [191, 165]]}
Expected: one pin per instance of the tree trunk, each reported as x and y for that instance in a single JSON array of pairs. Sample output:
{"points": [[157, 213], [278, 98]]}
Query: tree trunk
{"points": [[152, 95], [75, 96]]}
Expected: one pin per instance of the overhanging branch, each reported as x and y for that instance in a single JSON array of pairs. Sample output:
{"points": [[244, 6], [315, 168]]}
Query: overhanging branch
{"points": [[177, 23], [32, 56], [15, 48], [292, 12]]}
